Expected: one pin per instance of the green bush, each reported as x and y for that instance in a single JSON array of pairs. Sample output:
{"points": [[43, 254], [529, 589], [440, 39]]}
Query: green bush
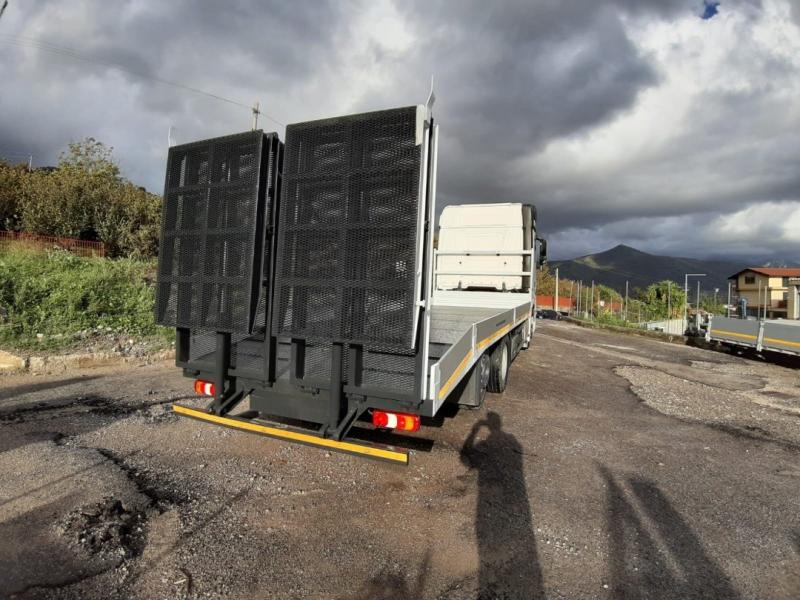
{"points": [[55, 292], [85, 197], [607, 318]]}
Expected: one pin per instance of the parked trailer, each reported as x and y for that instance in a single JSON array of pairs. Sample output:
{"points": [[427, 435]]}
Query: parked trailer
{"points": [[304, 277], [776, 335]]}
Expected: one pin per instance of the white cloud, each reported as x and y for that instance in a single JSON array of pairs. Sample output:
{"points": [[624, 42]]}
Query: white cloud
{"points": [[721, 128]]}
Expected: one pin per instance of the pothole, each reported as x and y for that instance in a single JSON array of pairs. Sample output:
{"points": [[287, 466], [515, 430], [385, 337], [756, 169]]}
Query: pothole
{"points": [[108, 529]]}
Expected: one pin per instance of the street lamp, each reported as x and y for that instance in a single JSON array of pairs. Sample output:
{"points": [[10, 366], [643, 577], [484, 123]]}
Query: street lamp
{"points": [[686, 297]]}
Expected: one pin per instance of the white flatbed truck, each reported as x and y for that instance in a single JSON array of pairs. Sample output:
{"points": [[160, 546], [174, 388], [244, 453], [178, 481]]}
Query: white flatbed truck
{"points": [[354, 315]]}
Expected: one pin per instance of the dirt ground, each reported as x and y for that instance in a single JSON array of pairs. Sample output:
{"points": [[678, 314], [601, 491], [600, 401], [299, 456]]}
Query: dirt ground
{"points": [[613, 466]]}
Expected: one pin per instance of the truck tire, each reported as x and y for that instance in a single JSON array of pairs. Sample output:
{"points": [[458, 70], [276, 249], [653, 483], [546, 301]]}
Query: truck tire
{"points": [[500, 361]]}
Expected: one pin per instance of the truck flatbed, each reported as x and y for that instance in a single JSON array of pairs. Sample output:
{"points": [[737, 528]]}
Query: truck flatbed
{"points": [[777, 335]]}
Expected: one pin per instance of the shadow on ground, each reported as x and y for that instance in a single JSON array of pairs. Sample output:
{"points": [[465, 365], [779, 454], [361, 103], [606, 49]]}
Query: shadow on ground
{"points": [[509, 562], [653, 548]]}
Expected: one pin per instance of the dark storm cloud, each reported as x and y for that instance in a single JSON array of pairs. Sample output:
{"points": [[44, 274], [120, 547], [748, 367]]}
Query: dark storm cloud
{"points": [[516, 75], [516, 83], [513, 76]]}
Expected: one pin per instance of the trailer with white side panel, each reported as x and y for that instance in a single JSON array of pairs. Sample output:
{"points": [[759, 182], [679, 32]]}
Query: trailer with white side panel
{"points": [[303, 277], [775, 335]]}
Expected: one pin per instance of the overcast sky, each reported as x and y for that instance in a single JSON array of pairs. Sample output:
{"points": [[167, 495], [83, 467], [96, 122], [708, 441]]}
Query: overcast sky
{"points": [[669, 125]]}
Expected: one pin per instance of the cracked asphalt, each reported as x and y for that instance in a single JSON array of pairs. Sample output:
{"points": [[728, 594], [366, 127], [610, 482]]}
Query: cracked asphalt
{"points": [[612, 467]]}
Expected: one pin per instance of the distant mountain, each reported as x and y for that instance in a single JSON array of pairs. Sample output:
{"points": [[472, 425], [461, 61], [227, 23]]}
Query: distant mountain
{"points": [[622, 263]]}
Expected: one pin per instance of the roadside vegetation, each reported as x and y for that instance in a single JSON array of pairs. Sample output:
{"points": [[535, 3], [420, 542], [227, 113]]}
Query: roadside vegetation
{"points": [[84, 197], [53, 299], [604, 305]]}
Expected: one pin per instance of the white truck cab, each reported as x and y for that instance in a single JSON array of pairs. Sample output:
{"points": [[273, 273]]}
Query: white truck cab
{"points": [[484, 232]]}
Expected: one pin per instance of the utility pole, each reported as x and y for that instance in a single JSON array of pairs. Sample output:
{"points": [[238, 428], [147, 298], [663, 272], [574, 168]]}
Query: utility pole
{"points": [[698, 294], [729, 300], [256, 111], [626, 300], [686, 296], [758, 304], [591, 308], [555, 302], [669, 306], [571, 284]]}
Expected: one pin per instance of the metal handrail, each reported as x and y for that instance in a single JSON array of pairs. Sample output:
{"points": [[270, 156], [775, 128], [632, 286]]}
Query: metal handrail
{"points": [[486, 253], [486, 273]]}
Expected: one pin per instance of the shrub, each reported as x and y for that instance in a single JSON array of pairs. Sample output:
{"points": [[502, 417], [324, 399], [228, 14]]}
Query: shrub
{"points": [[58, 293], [84, 197]]}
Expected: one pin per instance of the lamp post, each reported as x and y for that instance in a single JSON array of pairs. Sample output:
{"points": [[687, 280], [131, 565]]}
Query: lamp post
{"points": [[686, 297]]}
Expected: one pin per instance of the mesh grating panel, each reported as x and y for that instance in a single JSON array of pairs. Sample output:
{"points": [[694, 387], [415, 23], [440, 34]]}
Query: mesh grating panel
{"points": [[218, 197], [348, 229]]}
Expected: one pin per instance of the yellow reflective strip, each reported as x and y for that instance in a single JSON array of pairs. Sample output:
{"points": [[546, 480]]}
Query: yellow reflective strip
{"points": [[746, 336], [780, 341], [443, 391], [451, 381], [497, 334], [393, 456]]}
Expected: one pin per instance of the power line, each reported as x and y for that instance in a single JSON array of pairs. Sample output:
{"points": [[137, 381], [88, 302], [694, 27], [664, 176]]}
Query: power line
{"points": [[22, 41]]}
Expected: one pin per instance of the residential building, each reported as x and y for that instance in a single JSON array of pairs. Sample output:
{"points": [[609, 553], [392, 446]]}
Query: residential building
{"points": [[769, 292]]}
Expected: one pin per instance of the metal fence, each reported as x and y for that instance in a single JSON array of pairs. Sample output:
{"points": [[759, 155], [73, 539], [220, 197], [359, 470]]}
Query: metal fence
{"points": [[44, 242]]}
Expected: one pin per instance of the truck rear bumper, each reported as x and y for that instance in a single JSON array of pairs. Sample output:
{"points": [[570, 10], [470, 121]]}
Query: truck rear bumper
{"points": [[292, 434]]}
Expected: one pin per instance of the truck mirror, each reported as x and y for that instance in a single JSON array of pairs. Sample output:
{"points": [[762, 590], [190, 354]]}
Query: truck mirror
{"points": [[542, 252]]}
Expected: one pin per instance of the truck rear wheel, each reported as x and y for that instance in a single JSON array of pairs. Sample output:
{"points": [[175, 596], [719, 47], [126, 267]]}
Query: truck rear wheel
{"points": [[500, 361]]}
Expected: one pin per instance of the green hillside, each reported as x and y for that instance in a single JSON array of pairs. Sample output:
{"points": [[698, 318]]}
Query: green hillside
{"points": [[622, 263]]}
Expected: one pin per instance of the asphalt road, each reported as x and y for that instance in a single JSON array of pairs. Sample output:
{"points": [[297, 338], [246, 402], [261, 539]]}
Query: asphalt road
{"points": [[613, 467]]}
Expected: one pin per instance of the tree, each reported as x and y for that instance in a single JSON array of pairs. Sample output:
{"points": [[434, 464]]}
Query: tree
{"points": [[87, 198], [11, 177], [546, 284], [715, 308], [663, 300]]}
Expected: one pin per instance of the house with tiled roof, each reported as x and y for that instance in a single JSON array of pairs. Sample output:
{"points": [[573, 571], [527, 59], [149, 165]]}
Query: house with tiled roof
{"points": [[769, 292]]}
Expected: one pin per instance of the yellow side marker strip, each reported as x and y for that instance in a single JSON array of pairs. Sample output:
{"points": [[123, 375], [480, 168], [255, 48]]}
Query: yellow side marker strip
{"points": [[746, 336], [451, 381], [295, 436], [445, 389], [780, 341]]}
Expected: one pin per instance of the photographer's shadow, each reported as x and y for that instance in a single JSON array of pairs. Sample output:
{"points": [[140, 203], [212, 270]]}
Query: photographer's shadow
{"points": [[509, 563]]}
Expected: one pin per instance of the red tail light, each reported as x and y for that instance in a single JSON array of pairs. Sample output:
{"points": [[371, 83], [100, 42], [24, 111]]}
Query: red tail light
{"points": [[204, 388], [390, 420]]}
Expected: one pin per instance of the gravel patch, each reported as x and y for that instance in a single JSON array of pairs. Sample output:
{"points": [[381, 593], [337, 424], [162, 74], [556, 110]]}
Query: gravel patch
{"points": [[727, 410]]}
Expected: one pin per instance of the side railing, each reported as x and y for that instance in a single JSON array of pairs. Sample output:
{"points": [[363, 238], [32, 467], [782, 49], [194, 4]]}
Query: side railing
{"points": [[531, 291]]}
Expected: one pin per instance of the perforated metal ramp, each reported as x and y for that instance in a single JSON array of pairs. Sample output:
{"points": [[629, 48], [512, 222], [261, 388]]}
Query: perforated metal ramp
{"points": [[348, 231], [218, 197]]}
